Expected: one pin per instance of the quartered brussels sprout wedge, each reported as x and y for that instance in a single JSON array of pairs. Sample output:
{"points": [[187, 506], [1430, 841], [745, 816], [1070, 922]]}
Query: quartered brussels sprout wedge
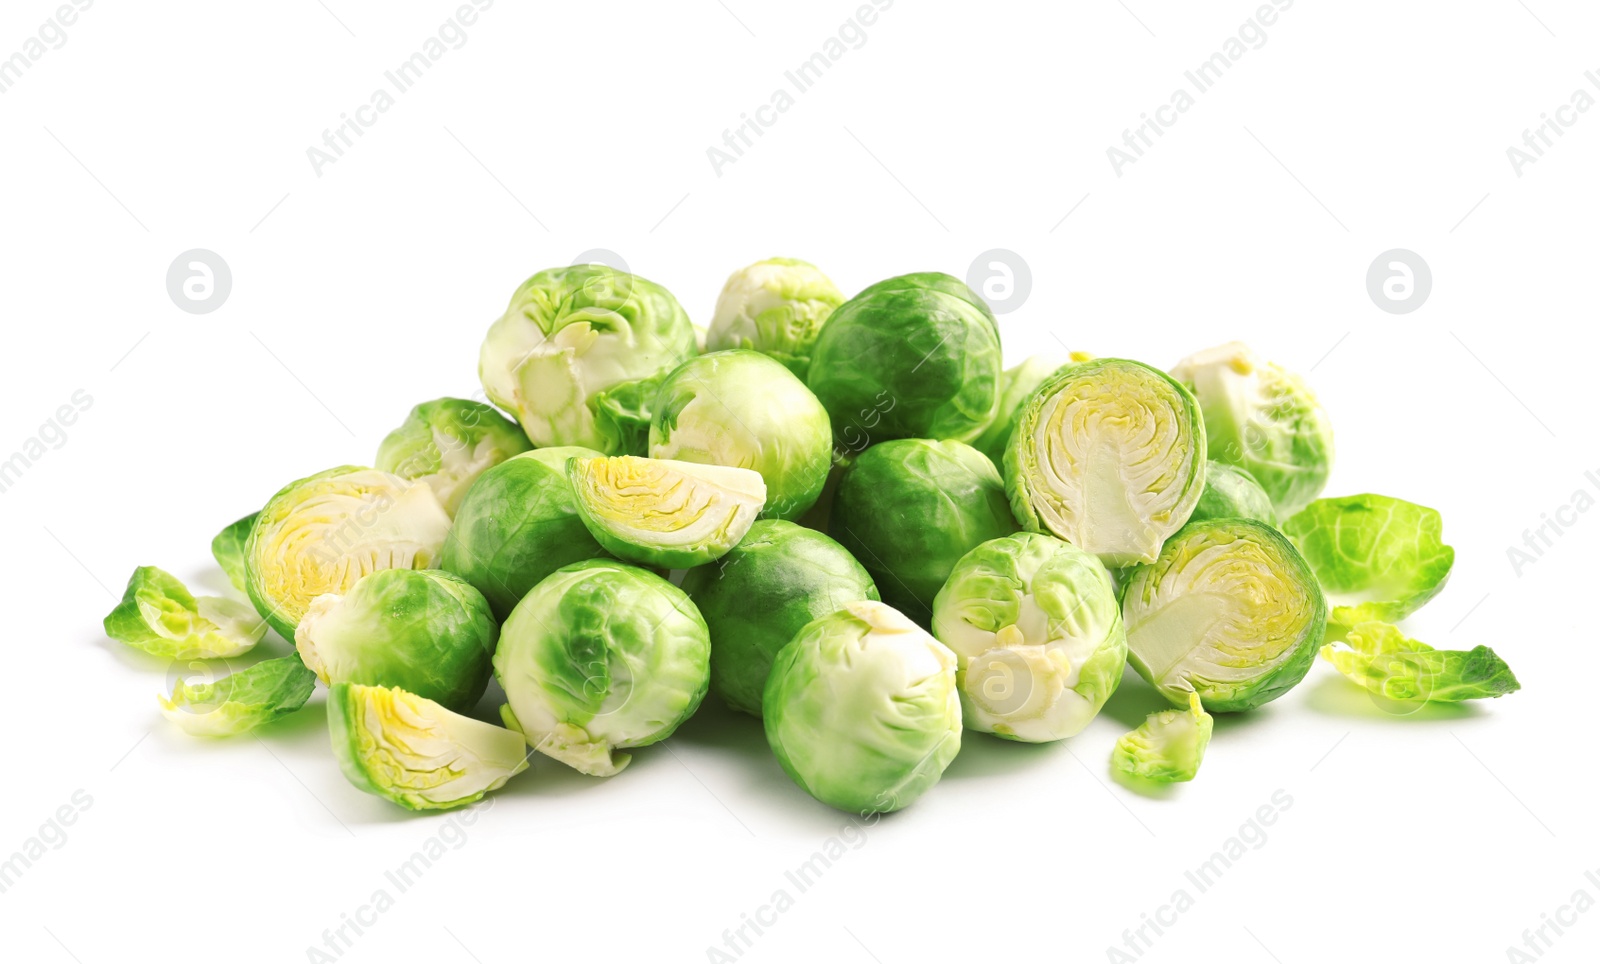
{"points": [[415, 752], [1110, 456], [241, 701], [448, 443], [775, 307], [1167, 747], [158, 615], [662, 512], [1380, 657], [228, 549]]}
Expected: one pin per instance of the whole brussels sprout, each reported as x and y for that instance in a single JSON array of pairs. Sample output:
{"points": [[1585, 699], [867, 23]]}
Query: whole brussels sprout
{"points": [[1035, 625], [517, 524], [743, 409], [448, 443], [423, 630], [911, 508], [662, 512], [322, 533], [861, 709], [767, 588], [1264, 420], [916, 356], [1230, 610], [776, 307], [579, 352], [598, 657], [1232, 493], [1110, 456]]}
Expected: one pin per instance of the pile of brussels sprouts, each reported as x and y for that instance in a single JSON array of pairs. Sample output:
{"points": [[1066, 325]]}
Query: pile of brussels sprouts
{"points": [[839, 516]]}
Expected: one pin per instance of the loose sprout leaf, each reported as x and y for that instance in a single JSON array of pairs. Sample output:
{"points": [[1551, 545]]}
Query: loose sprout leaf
{"points": [[662, 512], [228, 549], [158, 614], [1167, 747], [1381, 658], [241, 701], [1378, 558]]}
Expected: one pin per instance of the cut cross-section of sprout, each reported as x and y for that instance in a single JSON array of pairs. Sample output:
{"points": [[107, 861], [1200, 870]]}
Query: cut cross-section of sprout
{"points": [[662, 512]]}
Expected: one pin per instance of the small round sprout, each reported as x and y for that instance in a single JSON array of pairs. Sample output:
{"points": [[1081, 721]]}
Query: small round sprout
{"points": [[911, 508], [578, 353], [423, 630], [665, 513], [767, 588], [1110, 456], [242, 701], [448, 443], [861, 709], [1230, 610], [1167, 747], [159, 615], [1264, 420], [416, 753], [1035, 624], [320, 534], [601, 656], [743, 409], [517, 524], [1232, 493], [775, 307], [916, 356]]}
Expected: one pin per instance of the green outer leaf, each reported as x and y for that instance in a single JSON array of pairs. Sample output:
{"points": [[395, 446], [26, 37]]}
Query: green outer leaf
{"points": [[1381, 658], [1378, 558], [242, 701], [228, 549], [160, 616], [1232, 493]]}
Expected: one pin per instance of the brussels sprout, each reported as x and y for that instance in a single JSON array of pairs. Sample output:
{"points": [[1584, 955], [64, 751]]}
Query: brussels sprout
{"points": [[1232, 493], [661, 512], [1167, 747], [448, 443], [916, 356], [911, 508], [414, 752], [767, 588], [517, 524], [158, 615], [423, 630], [741, 408], [861, 709], [569, 353], [601, 656], [1378, 558], [1229, 610], [1262, 419], [1035, 625], [776, 307], [1016, 384], [242, 701], [1381, 658], [228, 549], [1110, 456], [322, 533]]}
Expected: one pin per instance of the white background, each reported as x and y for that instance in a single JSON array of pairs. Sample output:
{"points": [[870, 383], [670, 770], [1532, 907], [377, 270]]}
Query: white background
{"points": [[1358, 127]]}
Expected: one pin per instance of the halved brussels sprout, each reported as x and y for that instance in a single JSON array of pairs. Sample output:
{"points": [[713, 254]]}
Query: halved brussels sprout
{"points": [[861, 709], [320, 534], [1378, 559], [1262, 419], [908, 510], [601, 656], [241, 701], [1380, 657], [570, 354], [1232, 493], [1035, 624], [1229, 610], [423, 630], [448, 443], [1016, 384], [776, 307], [416, 753], [517, 524], [228, 549], [1167, 747], [1109, 455], [661, 512], [916, 356], [741, 408], [767, 588], [158, 615]]}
